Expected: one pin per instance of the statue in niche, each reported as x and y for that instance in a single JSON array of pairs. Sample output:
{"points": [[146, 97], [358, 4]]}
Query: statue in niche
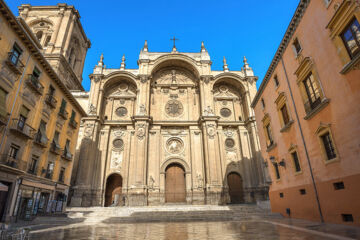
{"points": [[208, 111], [151, 183], [200, 181], [142, 110], [175, 146], [92, 109]]}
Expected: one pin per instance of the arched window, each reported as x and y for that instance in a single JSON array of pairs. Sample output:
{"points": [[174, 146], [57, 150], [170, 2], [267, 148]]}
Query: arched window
{"points": [[71, 55], [48, 38], [39, 35]]}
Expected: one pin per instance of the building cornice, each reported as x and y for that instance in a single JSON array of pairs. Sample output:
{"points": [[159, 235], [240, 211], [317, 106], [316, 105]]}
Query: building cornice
{"points": [[299, 13]]}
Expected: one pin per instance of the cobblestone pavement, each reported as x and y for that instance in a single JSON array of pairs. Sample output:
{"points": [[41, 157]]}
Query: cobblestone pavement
{"points": [[251, 229]]}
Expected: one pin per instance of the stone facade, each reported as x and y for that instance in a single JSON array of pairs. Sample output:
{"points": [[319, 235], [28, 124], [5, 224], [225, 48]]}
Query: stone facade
{"points": [[173, 109]]}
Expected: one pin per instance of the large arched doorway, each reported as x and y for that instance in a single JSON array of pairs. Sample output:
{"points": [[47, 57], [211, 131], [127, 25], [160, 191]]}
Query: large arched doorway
{"points": [[235, 184], [175, 189], [113, 190]]}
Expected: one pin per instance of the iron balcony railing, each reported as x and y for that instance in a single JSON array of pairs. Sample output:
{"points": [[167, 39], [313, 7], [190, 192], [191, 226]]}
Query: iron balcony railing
{"points": [[73, 123], [9, 161], [35, 84], [63, 113], [311, 105], [14, 63], [51, 100], [67, 155], [55, 148], [41, 139], [49, 174], [22, 128]]}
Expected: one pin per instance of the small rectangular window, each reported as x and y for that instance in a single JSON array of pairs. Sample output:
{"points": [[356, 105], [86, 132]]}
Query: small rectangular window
{"points": [[302, 191], [351, 38], [276, 80], [62, 174], [15, 54], [270, 140], [281, 195], [296, 161], [328, 146], [3, 94], [49, 170], [33, 164], [285, 114], [297, 46], [339, 185], [36, 73], [63, 106], [262, 103], [347, 217], [277, 172], [51, 90], [312, 93], [13, 151], [73, 114]]}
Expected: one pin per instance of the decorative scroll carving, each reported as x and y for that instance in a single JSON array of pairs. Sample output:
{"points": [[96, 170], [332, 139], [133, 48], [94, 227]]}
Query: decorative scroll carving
{"points": [[211, 130], [140, 132]]}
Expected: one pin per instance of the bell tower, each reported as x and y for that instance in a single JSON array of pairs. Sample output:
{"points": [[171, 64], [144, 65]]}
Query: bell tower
{"points": [[63, 40]]}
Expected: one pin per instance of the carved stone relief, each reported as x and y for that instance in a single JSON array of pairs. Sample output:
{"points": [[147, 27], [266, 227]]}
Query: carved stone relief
{"points": [[174, 108], [140, 132], [174, 145]]}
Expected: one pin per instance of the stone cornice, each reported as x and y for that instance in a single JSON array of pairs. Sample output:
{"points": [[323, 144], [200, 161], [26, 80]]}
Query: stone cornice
{"points": [[299, 13]]}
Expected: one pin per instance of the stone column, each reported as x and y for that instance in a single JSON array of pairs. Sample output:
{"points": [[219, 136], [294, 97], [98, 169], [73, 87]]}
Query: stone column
{"points": [[137, 194], [212, 159]]}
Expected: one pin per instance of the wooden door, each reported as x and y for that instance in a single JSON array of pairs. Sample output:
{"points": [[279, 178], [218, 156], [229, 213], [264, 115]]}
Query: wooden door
{"points": [[175, 185], [235, 188]]}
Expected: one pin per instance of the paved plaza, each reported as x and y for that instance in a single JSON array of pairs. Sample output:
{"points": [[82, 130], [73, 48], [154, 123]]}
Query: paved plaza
{"points": [[182, 223], [197, 230]]}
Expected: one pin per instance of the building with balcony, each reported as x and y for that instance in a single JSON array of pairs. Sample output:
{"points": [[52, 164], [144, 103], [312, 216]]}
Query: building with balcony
{"points": [[37, 138], [308, 117]]}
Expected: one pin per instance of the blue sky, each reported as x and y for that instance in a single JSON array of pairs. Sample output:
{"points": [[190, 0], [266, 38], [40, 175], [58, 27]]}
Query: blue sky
{"points": [[230, 28]]}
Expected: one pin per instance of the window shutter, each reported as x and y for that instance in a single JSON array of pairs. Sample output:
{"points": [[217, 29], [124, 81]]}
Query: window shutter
{"points": [[43, 132], [73, 114], [3, 111], [56, 139]]}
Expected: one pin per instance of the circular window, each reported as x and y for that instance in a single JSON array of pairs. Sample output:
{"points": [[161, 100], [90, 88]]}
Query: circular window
{"points": [[174, 108], [121, 111], [225, 112], [118, 143], [229, 142], [123, 86]]}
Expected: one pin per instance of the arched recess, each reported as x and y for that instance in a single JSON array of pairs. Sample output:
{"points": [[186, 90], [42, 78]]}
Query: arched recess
{"points": [[113, 190], [235, 184], [174, 92], [175, 184], [230, 102], [119, 98], [178, 161]]}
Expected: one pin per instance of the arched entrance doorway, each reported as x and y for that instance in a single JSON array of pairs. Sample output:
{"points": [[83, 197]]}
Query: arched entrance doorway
{"points": [[175, 189], [113, 190], [235, 188]]}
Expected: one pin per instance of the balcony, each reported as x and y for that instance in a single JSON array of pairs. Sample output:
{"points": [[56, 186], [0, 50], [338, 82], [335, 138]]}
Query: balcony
{"points": [[64, 114], [4, 119], [12, 162], [33, 171], [41, 139], [50, 100], [309, 105], [55, 148], [14, 63], [34, 84], [49, 175], [67, 155], [22, 129], [73, 123]]}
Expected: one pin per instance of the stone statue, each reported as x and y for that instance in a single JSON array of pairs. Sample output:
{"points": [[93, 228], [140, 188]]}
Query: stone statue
{"points": [[142, 110], [151, 183], [200, 181], [208, 111]]}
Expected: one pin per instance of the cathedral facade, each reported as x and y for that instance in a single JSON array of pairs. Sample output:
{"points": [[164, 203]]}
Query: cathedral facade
{"points": [[171, 131]]}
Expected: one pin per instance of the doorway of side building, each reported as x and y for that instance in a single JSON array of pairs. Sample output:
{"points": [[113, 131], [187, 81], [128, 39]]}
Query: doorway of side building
{"points": [[113, 191], [4, 193], [175, 189], [235, 184]]}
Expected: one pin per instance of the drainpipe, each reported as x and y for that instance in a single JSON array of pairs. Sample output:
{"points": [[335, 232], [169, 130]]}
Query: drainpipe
{"points": [[13, 104], [303, 140]]}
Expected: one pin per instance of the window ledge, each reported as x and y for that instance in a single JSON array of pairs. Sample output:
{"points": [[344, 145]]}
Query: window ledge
{"points": [[271, 147], [287, 126], [354, 64], [318, 108], [298, 173], [332, 160]]}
